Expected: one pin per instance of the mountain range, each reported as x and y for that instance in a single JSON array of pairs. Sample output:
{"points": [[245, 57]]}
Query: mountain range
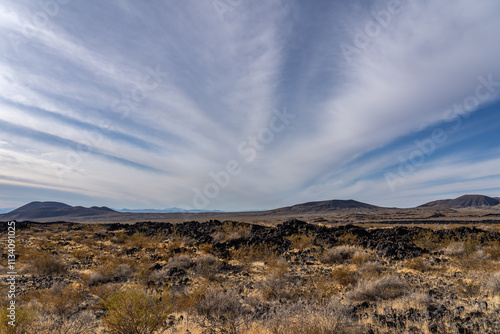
{"points": [[60, 211], [168, 210], [465, 201]]}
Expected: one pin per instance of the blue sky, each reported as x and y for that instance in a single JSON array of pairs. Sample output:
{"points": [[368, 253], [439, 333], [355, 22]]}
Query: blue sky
{"points": [[236, 104]]}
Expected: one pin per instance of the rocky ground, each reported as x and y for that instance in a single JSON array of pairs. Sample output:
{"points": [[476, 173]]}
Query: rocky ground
{"points": [[232, 277]]}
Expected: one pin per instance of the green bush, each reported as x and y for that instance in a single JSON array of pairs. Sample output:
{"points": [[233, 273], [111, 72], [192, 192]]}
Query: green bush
{"points": [[23, 322], [135, 311]]}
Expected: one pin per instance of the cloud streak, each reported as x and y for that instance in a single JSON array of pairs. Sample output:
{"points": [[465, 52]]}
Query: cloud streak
{"points": [[128, 105]]}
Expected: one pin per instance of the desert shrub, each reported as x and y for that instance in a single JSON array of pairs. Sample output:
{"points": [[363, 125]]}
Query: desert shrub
{"points": [[419, 263], [493, 283], [320, 289], [273, 287], [104, 291], [471, 246], [468, 289], [338, 254], [180, 262], [387, 287], [24, 321], [80, 323], [187, 300], [136, 311], [416, 300], [207, 249], [207, 266], [82, 254], [345, 276], [119, 237], [301, 241], [230, 231], [61, 300], [493, 250], [139, 240], [348, 239], [371, 269], [361, 256], [221, 310], [252, 253], [454, 249], [277, 266], [429, 240], [110, 271], [305, 318], [46, 263]]}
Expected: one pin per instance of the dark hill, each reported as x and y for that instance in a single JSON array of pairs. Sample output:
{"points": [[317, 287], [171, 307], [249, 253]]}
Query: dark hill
{"points": [[323, 206], [39, 205], [465, 201], [37, 210]]}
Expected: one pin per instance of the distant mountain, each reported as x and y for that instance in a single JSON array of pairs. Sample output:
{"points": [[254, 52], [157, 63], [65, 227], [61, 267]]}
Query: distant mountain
{"points": [[323, 206], [37, 210], [464, 201], [6, 210], [168, 210]]}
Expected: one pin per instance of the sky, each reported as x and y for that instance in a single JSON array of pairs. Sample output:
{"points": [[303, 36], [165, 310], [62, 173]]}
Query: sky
{"points": [[242, 105]]}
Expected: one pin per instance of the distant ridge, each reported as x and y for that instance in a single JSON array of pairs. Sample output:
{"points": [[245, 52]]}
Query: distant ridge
{"points": [[465, 201], [37, 210], [168, 210], [323, 206]]}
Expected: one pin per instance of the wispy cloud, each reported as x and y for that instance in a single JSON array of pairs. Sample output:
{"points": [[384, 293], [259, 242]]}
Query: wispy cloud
{"points": [[127, 104]]}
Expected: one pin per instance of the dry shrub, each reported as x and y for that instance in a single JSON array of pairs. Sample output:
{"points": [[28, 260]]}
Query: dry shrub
{"points": [[345, 276], [419, 263], [273, 287], [493, 283], [120, 237], [207, 266], [221, 310], [24, 321], [471, 246], [305, 318], [416, 300], [339, 254], [110, 271], [362, 256], [46, 263], [230, 231], [103, 291], [248, 254], [277, 266], [186, 301], [82, 254], [80, 323], [478, 260], [180, 262], [320, 289], [301, 241], [454, 249], [139, 240], [493, 250], [61, 300], [348, 239], [429, 240], [387, 287], [207, 249], [371, 269], [136, 311], [468, 289]]}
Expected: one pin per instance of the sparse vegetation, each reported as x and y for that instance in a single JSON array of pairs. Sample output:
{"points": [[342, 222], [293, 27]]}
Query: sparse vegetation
{"points": [[388, 287], [232, 278], [134, 310]]}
